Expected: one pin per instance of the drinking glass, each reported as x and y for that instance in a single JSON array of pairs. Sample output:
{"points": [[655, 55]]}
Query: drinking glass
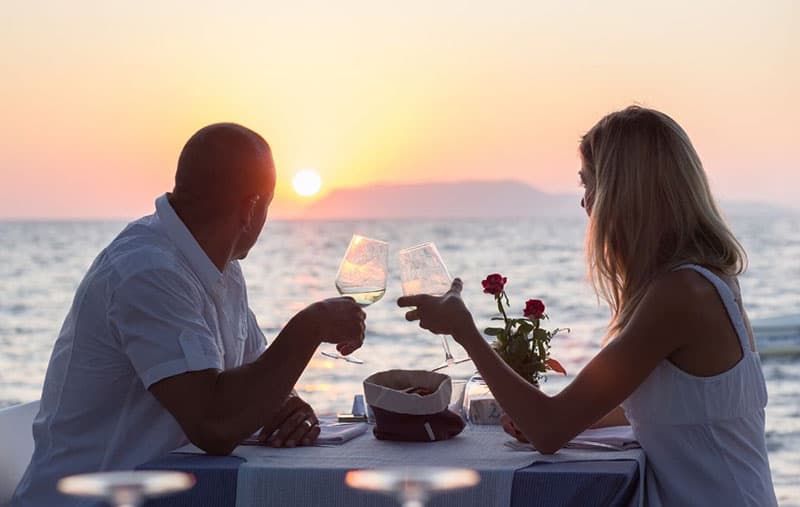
{"points": [[422, 271], [362, 276], [412, 486], [126, 488]]}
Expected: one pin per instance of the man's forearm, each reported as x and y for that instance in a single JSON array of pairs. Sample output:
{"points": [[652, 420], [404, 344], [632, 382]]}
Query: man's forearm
{"points": [[245, 398], [217, 409]]}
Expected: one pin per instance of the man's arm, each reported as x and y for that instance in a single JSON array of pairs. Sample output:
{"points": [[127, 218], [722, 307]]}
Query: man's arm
{"points": [[218, 409]]}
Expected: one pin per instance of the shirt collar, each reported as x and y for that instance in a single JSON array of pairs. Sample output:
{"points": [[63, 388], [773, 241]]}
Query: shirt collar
{"points": [[177, 231]]}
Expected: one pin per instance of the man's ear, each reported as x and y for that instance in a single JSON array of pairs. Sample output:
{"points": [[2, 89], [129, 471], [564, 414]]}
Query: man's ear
{"points": [[249, 211]]}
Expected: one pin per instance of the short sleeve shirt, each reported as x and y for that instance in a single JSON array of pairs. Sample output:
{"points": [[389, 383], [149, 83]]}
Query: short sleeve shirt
{"points": [[151, 306]]}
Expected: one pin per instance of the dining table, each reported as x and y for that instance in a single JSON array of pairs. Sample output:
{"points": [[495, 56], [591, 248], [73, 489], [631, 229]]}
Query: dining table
{"points": [[510, 475]]}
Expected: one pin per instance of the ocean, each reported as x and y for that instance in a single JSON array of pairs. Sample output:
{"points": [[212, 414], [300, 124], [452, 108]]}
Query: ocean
{"points": [[294, 263]]}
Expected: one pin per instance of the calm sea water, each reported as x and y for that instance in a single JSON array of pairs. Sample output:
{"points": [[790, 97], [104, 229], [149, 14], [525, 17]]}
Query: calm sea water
{"points": [[294, 264]]}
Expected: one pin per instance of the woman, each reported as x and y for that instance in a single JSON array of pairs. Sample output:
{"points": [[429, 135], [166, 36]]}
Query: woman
{"points": [[680, 357]]}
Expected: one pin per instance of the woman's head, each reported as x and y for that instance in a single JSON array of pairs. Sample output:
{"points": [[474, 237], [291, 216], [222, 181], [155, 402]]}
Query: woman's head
{"points": [[650, 207]]}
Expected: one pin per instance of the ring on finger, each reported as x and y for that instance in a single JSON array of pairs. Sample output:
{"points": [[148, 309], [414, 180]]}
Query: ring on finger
{"points": [[308, 423]]}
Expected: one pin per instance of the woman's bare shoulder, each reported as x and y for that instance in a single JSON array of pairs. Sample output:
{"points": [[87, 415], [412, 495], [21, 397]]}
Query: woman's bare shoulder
{"points": [[683, 286], [708, 343]]}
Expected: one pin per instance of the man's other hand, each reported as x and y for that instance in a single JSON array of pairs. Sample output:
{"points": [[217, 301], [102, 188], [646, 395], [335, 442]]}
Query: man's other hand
{"points": [[295, 424]]}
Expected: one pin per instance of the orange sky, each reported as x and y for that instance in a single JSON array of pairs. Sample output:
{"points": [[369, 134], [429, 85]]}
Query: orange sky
{"points": [[97, 99]]}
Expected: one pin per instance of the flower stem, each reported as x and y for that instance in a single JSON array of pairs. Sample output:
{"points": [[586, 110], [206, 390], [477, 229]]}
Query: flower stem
{"points": [[499, 299]]}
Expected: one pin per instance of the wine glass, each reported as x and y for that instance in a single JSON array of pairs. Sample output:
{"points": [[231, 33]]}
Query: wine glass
{"points": [[362, 276], [126, 488], [422, 271], [412, 486]]}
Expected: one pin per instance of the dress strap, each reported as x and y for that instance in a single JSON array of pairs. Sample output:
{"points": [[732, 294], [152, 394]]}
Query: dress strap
{"points": [[728, 299]]}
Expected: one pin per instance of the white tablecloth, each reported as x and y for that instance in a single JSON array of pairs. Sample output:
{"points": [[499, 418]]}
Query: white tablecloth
{"points": [[282, 476]]}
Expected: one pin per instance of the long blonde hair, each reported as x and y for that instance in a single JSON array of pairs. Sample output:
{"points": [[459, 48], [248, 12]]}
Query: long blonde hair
{"points": [[652, 209]]}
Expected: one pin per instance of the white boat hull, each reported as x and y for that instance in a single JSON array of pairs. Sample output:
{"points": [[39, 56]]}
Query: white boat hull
{"points": [[777, 336]]}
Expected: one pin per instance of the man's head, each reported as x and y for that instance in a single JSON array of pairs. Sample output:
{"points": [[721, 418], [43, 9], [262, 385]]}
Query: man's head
{"points": [[226, 180]]}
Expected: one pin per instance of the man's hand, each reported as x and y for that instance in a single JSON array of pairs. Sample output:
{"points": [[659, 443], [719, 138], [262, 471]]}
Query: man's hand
{"points": [[337, 320], [295, 424], [445, 314], [511, 428]]}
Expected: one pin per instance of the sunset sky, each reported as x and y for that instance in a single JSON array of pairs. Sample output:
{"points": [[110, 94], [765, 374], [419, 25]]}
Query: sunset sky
{"points": [[97, 98]]}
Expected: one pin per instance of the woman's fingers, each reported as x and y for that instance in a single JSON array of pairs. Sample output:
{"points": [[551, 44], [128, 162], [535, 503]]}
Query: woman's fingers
{"points": [[416, 300], [511, 428]]}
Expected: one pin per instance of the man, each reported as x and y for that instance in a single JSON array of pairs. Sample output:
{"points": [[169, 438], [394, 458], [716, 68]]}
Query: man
{"points": [[160, 345]]}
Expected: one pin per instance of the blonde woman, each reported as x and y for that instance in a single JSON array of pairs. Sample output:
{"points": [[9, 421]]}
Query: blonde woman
{"points": [[680, 359]]}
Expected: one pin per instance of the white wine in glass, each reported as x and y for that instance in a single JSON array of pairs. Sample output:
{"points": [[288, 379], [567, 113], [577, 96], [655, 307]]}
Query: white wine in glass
{"points": [[365, 296], [422, 271], [362, 276]]}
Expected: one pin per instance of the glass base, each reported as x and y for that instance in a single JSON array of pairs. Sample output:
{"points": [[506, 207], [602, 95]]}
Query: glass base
{"points": [[412, 486], [336, 355], [450, 363]]}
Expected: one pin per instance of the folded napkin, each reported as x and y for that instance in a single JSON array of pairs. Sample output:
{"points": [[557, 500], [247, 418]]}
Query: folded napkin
{"points": [[336, 433], [612, 438], [330, 433], [618, 437]]}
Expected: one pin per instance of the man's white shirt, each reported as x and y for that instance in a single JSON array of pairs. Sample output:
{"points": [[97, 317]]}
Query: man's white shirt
{"points": [[151, 306]]}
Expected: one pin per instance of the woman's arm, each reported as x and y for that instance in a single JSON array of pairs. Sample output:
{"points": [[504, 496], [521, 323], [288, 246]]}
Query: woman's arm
{"points": [[549, 422], [614, 418]]}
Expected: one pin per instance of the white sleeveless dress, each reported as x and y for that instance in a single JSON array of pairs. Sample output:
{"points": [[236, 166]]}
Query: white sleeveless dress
{"points": [[704, 436]]}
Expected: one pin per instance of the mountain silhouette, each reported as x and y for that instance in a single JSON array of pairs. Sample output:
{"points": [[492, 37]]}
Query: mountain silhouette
{"points": [[472, 199], [469, 199]]}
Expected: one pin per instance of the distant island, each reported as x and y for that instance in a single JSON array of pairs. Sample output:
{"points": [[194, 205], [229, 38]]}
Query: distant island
{"points": [[467, 199]]}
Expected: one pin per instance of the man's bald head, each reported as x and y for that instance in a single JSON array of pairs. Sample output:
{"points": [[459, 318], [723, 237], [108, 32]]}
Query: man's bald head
{"points": [[222, 164]]}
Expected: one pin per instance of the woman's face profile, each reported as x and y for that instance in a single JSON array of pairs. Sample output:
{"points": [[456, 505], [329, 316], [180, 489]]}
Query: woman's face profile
{"points": [[588, 192]]}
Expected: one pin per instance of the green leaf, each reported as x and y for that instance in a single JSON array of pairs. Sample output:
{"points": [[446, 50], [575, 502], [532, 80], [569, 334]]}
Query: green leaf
{"points": [[540, 334], [525, 327], [493, 331]]}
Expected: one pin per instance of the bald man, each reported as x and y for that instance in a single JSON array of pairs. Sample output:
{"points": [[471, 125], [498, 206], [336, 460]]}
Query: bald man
{"points": [[160, 346]]}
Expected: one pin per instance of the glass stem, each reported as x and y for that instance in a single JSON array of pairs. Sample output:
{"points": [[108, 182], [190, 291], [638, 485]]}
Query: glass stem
{"points": [[448, 357], [127, 497]]}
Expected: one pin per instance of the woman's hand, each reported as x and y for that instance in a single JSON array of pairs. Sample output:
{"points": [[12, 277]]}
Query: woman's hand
{"points": [[445, 314], [511, 428]]}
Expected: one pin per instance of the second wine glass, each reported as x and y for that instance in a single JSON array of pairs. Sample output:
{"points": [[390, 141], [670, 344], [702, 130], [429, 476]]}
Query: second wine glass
{"points": [[422, 271], [362, 276]]}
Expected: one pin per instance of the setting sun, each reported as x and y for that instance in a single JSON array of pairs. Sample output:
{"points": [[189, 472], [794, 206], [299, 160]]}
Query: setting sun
{"points": [[307, 182]]}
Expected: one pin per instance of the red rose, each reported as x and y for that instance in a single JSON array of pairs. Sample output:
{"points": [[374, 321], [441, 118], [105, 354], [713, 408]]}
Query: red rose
{"points": [[494, 284], [534, 309]]}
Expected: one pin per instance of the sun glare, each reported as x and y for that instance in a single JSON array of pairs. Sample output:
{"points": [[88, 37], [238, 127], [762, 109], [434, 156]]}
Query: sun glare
{"points": [[307, 182]]}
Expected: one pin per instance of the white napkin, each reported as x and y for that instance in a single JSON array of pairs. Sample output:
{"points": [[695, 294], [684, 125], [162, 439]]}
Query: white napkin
{"points": [[336, 433], [612, 438]]}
